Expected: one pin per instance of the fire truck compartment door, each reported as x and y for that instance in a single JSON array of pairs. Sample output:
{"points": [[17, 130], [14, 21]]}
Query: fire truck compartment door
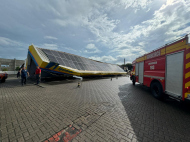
{"points": [[141, 72], [137, 69], [174, 74]]}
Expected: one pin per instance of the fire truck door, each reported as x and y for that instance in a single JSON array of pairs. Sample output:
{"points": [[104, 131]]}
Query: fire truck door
{"points": [[174, 74], [141, 72]]}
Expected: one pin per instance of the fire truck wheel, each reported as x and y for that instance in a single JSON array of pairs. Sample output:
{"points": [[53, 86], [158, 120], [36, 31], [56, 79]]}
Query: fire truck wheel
{"points": [[156, 90], [133, 80]]}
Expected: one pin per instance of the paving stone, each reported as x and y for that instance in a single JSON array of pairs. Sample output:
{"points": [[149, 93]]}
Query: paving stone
{"points": [[105, 111]]}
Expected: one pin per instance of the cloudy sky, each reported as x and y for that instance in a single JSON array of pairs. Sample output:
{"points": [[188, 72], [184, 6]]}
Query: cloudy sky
{"points": [[104, 30]]}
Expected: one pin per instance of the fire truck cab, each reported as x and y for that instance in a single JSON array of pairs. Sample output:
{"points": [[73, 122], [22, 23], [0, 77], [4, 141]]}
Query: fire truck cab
{"points": [[165, 70]]}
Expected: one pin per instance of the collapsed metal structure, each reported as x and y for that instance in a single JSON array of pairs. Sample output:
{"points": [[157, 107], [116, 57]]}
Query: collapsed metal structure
{"points": [[57, 63]]}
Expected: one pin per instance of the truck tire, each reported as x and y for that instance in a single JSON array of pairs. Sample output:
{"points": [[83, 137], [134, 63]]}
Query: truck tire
{"points": [[3, 80], [157, 90], [133, 80]]}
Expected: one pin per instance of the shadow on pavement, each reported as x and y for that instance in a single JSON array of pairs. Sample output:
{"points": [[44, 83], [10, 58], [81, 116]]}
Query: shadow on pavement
{"points": [[154, 120], [14, 82], [58, 81]]}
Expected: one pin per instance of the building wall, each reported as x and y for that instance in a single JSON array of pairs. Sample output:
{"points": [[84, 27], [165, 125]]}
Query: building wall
{"points": [[12, 63]]}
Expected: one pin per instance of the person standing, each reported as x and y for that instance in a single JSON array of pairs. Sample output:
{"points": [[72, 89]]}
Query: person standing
{"points": [[24, 74], [38, 74]]}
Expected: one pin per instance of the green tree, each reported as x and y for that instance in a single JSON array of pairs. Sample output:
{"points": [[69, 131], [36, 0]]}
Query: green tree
{"points": [[17, 69], [128, 65], [4, 69]]}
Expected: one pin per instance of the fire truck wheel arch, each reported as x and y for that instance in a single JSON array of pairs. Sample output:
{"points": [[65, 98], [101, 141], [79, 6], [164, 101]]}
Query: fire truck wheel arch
{"points": [[155, 80], [157, 90]]}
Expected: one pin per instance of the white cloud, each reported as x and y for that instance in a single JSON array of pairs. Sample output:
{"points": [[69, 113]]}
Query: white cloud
{"points": [[48, 46], [89, 40], [169, 2], [71, 49], [101, 26], [112, 24], [8, 42], [168, 23], [50, 37], [95, 11], [104, 58], [137, 4], [91, 48], [60, 22]]}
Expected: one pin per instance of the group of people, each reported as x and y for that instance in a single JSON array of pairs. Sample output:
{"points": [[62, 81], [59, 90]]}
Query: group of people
{"points": [[24, 74]]}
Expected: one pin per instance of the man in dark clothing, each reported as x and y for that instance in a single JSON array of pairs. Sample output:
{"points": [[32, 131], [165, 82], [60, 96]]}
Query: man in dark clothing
{"points": [[18, 74], [24, 74], [38, 74]]}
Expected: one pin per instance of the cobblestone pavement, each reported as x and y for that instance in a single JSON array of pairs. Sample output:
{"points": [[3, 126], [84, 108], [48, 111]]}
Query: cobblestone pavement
{"points": [[101, 110]]}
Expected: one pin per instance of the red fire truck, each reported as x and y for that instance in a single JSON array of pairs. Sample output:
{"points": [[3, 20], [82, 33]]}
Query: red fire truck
{"points": [[165, 70]]}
